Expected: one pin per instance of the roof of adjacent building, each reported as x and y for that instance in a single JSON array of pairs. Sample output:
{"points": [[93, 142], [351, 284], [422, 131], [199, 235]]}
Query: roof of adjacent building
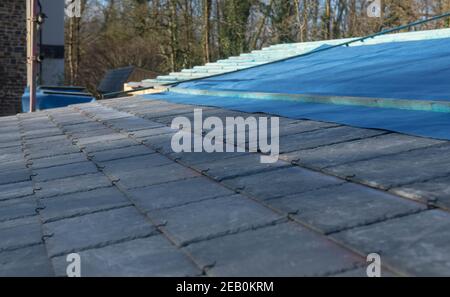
{"points": [[100, 179]]}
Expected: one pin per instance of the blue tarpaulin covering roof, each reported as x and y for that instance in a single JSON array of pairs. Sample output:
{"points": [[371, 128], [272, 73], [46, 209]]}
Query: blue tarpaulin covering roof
{"points": [[54, 97], [407, 70], [415, 74]]}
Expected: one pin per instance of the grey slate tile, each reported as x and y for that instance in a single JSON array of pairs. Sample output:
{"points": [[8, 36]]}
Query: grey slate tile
{"points": [[10, 137], [177, 193], [280, 250], [323, 137], [103, 114], [52, 150], [153, 176], [238, 166], [286, 127], [84, 127], [4, 145], [47, 139], [91, 133], [95, 231], [20, 233], [19, 222], [108, 145], [36, 147], [148, 257], [295, 127], [435, 191], [15, 149], [120, 167], [132, 151], [281, 182], [82, 203], [415, 245], [152, 132], [14, 176], [58, 160], [224, 113], [13, 165], [17, 208], [64, 171], [26, 262], [213, 218], [16, 156], [133, 124], [16, 190], [191, 159], [100, 138], [72, 185], [72, 120], [28, 135], [188, 112], [404, 168], [165, 114], [368, 148], [346, 206], [161, 143], [11, 144]]}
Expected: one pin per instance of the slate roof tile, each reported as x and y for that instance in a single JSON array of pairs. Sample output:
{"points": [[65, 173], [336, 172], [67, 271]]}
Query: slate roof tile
{"points": [[404, 168], [16, 190], [238, 166], [280, 250], [281, 182], [153, 176], [344, 206], [81, 203], [26, 262], [177, 193], [14, 176], [153, 256], [17, 209], [212, 218], [63, 171], [358, 150], [95, 231], [71, 185], [20, 233], [120, 153], [415, 244], [434, 191], [57, 160]]}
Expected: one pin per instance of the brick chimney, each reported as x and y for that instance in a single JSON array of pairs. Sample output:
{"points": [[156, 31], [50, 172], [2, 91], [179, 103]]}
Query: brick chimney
{"points": [[12, 55]]}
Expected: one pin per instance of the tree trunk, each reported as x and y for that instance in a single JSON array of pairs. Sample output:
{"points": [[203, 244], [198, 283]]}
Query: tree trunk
{"points": [[206, 29]]}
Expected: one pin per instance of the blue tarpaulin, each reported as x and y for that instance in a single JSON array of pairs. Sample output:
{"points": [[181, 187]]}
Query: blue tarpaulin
{"points": [[407, 70], [417, 70], [54, 97]]}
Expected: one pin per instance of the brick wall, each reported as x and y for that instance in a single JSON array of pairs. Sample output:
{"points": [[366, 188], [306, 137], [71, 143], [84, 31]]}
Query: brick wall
{"points": [[12, 55]]}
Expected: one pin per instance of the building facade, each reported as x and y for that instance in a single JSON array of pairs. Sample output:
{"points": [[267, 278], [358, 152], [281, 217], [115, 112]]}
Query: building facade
{"points": [[12, 55], [13, 50]]}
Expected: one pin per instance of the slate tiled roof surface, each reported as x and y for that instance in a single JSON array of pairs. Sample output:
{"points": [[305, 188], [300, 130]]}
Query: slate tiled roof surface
{"points": [[101, 180]]}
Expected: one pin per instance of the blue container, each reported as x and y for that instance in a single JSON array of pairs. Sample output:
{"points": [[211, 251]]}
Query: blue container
{"points": [[54, 97]]}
